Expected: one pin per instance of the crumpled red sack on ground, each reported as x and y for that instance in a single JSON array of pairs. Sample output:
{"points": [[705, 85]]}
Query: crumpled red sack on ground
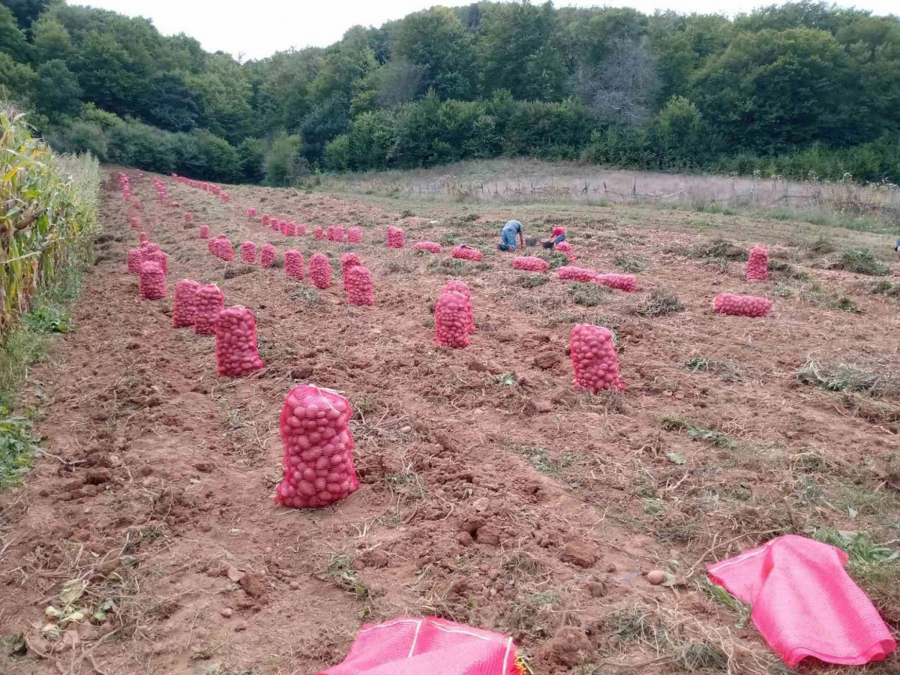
{"points": [[804, 602], [407, 646], [318, 448]]}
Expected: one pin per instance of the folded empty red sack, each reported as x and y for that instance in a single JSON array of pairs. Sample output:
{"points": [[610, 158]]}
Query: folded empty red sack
{"points": [[430, 246], [407, 646], [530, 264], [467, 253], [758, 264], [804, 603], [320, 271], [622, 282], [742, 305], [581, 274]]}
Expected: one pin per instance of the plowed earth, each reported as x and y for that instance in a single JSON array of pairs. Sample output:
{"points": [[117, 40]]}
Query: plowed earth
{"points": [[492, 492]]}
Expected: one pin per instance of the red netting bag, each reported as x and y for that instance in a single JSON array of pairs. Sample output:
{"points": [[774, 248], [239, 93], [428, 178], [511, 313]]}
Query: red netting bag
{"points": [[143, 237], [452, 319], [530, 264], [290, 230], [267, 256], [460, 287], [319, 234], [236, 352], [348, 260], [318, 449], [594, 359], [153, 281], [742, 305], [301, 230], [265, 219], [209, 301], [581, 274], [566, 248], [293, 264], [204, 231], [135, 223], [211, 245], [472, 254], [174, 204], [430, 246], [359, 286], [185, 305], [621, 282], [164, 261], [150, 248], [224, 249], [137, 204], [758, 264], [283, 227], [135, 259], [251, 213], [337, 234], [320, 271], [152, 256], [395, 237], [188, 217], [354, 235], [407, 646], [248, 252]]}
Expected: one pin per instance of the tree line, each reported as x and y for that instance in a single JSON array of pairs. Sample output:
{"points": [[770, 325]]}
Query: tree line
{"points": [[801, 89]]}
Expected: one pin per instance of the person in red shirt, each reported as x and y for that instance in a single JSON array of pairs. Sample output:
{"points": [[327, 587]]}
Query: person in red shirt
{"points": [[557, 237]]}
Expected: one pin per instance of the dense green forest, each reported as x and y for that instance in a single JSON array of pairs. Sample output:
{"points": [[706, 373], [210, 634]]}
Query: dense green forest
{"points": [[802, 89]]}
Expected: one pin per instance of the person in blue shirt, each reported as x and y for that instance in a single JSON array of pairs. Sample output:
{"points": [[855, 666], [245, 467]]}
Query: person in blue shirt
{"points": [[508, 235], [897, 247]]}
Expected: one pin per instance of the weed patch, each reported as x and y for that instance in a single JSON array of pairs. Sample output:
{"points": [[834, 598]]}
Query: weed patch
{"points": [[861, 261], [660, 303], [588, 295]]}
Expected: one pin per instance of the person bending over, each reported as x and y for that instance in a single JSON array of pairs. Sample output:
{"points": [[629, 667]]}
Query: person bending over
{"points": [[557, 237], [508, 235]]}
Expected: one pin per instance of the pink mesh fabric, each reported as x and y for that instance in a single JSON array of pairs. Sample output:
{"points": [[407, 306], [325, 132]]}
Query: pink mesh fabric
{"points": [[621, 282], [152, 281], [224, 248], [251, 213], [248, 252], [472, 254], [460, 287], [742, 305], [530, 264], [236, 353], [188, 217], [209, 302], [185, 305], [142, 237], [354, 235], [804, 602], [348, 261], [135, 223], [267, 255], [318, 449], [581, 274], [135, 258], [359, 286], [395, 237], [408, 646], [293, 264], [452, 320], [265, 219], [204, 231], [320, 271], [566, 248], [430, 246], [594, 358], [758, 264], [319, 234]]}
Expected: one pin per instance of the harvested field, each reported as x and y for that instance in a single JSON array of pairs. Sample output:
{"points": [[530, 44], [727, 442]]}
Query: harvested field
{"points": [[492, 493]]}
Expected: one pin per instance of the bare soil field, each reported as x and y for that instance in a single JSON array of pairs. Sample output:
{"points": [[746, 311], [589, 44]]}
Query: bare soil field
{"points": [[492, 493]]}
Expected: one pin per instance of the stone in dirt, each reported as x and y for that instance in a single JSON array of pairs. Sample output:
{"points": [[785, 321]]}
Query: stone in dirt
{"points": [[489, 535], [569, 647], [546, 360], [234, 574], [578, 553], [254, 585]]}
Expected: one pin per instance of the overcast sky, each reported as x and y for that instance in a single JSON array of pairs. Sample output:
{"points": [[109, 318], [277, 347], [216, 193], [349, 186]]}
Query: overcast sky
{"points": [[259, 28]]}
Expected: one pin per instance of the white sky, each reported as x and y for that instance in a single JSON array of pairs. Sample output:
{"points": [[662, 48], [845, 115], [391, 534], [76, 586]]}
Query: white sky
{"points": [[259, 28]]}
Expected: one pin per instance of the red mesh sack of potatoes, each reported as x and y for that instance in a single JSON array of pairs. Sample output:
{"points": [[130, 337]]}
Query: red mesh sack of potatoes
{"points": [[251, 213], [164, 261], [267, 255], [452, 319], [265, 219], [275, 225], [283, 227], [150, 248], [153, 281], [430, 246], [320, 271], [211, 245], [142, 237], [248, 252], [460, 287], [319, 234], [188, 217], [185, 305], [621, 282], [236, 352], [209, 301], [581, 274], [135, 258], [348, 261], [204, 231], [530, 264], [354, 235], [758, 264], [290, 230], [338, 234], [467, 254], [293, 264], [318, 449], [395, 237], [301, 230], [135, 223], [566, 248], [359, 286], [742, 305], [152, 256], [225, 249], [594, 358]]}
